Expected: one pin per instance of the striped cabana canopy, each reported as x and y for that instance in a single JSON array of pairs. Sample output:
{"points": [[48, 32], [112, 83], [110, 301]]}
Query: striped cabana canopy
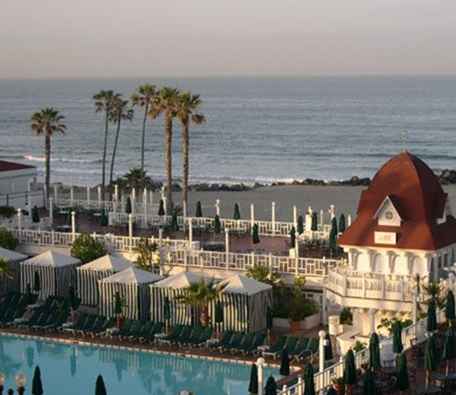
{"points": [[12, 281], [56, 271], [89, 274], [132, 284], [245, 302], [170, 288]]}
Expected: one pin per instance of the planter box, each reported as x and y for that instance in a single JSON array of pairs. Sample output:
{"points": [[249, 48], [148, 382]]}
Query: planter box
{"points": [[309, 322]]}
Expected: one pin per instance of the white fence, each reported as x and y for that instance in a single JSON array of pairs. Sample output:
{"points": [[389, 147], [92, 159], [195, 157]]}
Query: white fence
{"points": [[241, 262], [24, 200], [414, 334]]}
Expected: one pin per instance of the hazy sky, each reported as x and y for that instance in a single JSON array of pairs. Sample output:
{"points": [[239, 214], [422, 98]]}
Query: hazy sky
{"points": [[139, 38]]}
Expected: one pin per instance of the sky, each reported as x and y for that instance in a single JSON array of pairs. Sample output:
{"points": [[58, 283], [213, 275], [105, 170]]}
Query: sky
{"points": [[152, 38]]}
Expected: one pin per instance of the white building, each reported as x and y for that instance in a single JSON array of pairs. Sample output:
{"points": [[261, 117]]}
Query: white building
{"points": [[404, 229], [16, 181]]}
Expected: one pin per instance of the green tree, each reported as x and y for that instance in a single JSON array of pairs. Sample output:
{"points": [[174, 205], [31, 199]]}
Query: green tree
{"points": [[48, 122], [166, 103], [263, 274], [187, 111], [103, 103], [119, 112], [144, 97], [7, 240], [147, 254], [333, 236], [5, 270], [87, 249]]}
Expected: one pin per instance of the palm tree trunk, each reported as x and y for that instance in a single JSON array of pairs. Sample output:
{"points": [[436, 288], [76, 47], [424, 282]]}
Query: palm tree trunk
{"points": [[146, 110], [185, 160], [105, 148], [114, 150], [168, 158], [47, 154]]}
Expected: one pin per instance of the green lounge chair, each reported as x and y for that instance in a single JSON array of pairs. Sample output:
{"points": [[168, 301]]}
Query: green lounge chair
{"points": [[301, 346], [234, 342], [195, 335], [277, 347], [257, 342], [312, 348], [173, 335], [291, 343], [246, 342], [224, 339], [184, 336]]}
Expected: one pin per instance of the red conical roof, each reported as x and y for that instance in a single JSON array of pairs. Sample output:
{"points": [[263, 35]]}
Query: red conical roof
{"points": [[419, 199]]}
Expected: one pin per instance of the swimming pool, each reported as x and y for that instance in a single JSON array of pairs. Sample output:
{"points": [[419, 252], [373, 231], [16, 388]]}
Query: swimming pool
{"points": [[72, 370]]}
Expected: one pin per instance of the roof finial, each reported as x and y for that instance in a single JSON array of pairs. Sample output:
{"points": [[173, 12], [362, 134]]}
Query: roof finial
{"points": [[404, 137]]}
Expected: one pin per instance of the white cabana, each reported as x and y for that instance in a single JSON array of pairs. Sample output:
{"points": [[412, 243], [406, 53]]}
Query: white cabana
{"points": [[13, 259], [89, 274], [170, 288], [56, 271], [245, 302], [132, 284]]}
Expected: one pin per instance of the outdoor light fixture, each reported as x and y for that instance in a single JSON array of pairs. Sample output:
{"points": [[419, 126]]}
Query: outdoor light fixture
{"points": [[20, 382]]}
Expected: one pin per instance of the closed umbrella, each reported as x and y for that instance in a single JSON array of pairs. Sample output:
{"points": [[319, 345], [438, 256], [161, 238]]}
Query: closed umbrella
{"points": [[271, 386], [253, 384], [374, 352], [402, 374], [255, 234], [100, 388], [431, 360], [449, 347], [397, 337], [36, 282], [450, 308], [166, 312], [237, 212], [349, 371], [369, 383], [269, 321], [328, 348], [161, 208], [218, 314], [309, 384], [37, 385], [285, 363], [431, 324], [199, 210]]}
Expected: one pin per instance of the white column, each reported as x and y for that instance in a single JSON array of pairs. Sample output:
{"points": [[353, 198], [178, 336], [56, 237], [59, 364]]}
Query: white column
{"points": [[73, 225], [165, 205], [88, 196], [252, 215], [151, 198], [349, 220], [51, 211], [273, 217], [56, 194], [300, 386], [260, 366], [130, 232], [227, 248], [133, 201], [372, 320], [72, 196], [145, 207], [332, 211], [19, 219], [116, 192], [295, 218], [321, 350], [184, 212], [217, 207], [190, 231], [322, 219], [99, 196]]}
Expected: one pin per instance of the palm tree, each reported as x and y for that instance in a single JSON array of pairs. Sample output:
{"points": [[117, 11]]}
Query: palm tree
{"points": [[187, 107], [5, 270], [166, 103], [119, 112], [48, 122], [199, 296], [144, 97], [103, 103]]}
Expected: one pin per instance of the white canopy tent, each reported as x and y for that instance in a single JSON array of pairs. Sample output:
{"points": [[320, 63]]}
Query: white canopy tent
{"points": [[56, 271], [89, 274], [132, 284], [13, 259]]}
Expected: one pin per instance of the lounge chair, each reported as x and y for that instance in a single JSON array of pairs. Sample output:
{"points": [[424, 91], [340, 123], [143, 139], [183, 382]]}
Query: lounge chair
{"points": [[224, 339], [300, 348], [234, 342], [257, 342], [195, 336], [184, 336], [277, 347], [173, 335]]}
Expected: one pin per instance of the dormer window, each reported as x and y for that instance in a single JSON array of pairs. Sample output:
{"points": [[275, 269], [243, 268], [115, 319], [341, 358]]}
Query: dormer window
{"points": [[387, 214]]}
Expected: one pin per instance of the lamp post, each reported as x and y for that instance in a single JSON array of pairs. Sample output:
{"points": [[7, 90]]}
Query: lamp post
{"points": [[20, 382]]}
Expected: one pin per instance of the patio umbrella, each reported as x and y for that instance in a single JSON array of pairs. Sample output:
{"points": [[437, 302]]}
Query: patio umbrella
{"points": [[349, 370], [309, 384], [271, 386], [269, 321], [237, 212], [255, 234], [253, 384], [431, 360], [374, 352], [217, 225], [199, 210], [100, 388], [328, 348], [285, 363], [218, 314], [36, 282], [402, 374], [369, 383], [449, 308], [161, 208], [37, 386], [449, 347], [431, 324], [397, 337]]}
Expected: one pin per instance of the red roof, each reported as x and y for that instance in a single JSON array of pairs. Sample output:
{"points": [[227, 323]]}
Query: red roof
{"points": [[11, 166], [416, 193]]}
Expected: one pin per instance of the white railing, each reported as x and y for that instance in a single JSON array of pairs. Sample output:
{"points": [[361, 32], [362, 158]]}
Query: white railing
{"points": [[265, 228], [413, 334], [241, 262], [110, 205], [354, 284]]}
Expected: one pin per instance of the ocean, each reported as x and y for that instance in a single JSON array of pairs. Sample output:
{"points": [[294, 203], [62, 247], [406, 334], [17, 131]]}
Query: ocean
{"points": [[257, 130]]}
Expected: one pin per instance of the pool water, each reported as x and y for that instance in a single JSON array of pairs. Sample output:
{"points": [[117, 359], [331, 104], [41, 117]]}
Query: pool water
{"points": [[72, 370]]}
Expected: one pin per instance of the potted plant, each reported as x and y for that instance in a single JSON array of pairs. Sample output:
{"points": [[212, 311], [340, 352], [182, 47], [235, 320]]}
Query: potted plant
{"points": [[338, 385]]}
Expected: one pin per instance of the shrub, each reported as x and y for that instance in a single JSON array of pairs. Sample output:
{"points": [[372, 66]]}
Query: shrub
{"points": [[87, 249], [358, 346], [346, 316], [7, 240], [7, 211]]}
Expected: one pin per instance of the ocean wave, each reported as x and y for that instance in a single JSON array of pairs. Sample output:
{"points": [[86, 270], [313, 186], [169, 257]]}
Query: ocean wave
{"points": [[63, 160]]}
